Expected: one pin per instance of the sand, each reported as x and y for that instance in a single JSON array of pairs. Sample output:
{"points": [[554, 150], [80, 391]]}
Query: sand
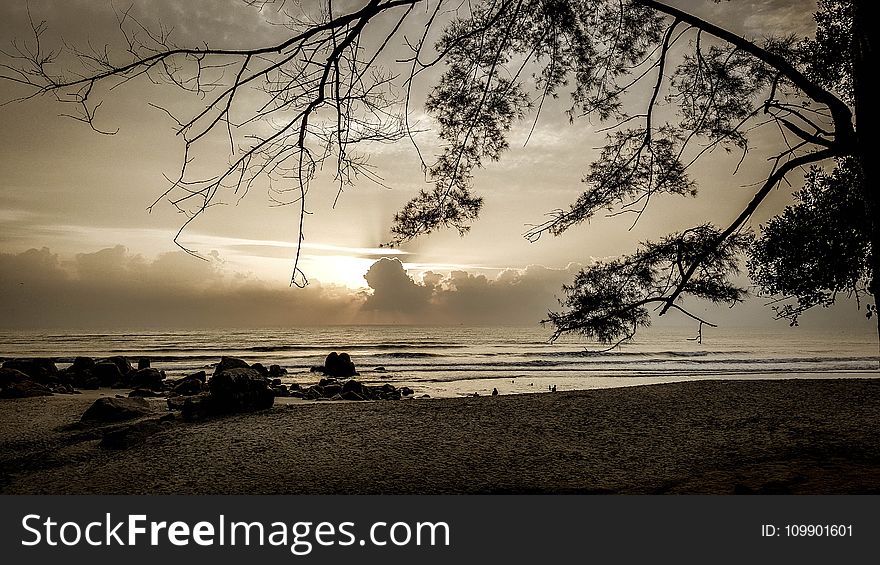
{"points": [[714, 437]]}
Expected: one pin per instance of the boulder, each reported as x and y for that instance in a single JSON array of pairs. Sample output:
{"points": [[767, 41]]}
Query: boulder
{"points": [[146, 378], [227, 363], [122, 363], [332, 389], [82, 364], [133, 434], [201, 375], [280, 391], [353, 386], [189, 386], [16, 384], [258, 367], [406, 391], [143, 363], [115, 410], [41, 370], [351, 395], [240, 390], [276, 371], [339, 365], [107, 373]]}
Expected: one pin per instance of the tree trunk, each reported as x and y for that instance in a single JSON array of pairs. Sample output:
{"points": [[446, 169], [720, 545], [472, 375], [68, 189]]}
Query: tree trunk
{"points": [[864, 46]]}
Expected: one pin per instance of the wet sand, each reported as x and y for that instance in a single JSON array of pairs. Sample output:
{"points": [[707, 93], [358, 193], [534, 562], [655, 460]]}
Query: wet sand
{"points": [[715, 437]]}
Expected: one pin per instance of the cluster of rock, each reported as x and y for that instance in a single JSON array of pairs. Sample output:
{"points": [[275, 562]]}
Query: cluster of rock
{"points": [[337, 366], [21, 378], [351, 389], [234, 387]]}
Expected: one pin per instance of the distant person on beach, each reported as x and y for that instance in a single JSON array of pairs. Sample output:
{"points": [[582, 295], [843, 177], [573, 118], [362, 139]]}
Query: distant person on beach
{"points": [[494, 392]]}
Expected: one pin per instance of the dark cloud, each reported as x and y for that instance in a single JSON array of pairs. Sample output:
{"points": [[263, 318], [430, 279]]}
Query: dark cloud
{"points": [[112, 288], [394, 292]]}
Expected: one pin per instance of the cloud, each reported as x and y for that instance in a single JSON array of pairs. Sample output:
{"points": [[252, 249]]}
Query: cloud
{"points": [[394, 292], [112, 289], [115, 289]]}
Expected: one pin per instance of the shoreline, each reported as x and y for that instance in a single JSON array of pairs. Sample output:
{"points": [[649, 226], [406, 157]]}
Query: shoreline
{"points": [[696, 437]]}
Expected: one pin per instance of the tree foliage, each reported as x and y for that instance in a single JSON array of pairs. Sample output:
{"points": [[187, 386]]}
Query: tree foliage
{"points": [[818, 247], [669, 86]]}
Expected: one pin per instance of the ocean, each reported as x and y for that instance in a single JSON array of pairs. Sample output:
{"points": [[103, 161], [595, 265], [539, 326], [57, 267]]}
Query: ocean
{"points": [[456, 361]]}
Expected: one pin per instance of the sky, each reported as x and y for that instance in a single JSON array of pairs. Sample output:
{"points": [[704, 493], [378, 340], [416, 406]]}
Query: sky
{"points": [[78, 247]]}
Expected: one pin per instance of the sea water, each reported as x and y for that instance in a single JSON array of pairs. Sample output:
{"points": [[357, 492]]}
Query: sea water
{"points": [[454, 361]]}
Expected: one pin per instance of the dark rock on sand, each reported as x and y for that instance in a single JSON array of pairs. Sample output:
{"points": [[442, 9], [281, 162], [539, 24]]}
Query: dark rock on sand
{"points": [[38, 369], [201, 375], [240, 389], [280, 390], [133, 434], [107, 373], [352, 385], [227, 363], [381, 369], [351, 395], [82, 364], [260, 368], [189, 386], [147, 378], [143, 363], [16, 384], [122, 363], [339, 365], [406, 391], [276, 371], [115, 410]]}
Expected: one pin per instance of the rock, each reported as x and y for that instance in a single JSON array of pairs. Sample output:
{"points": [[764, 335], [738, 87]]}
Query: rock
{"points": [[16, 384], [258, 367], [381, 369], [115, 410], [82, 364], [240, 390], [425, 396], [147, 378], [353, 386], [276, 371], [133, 434], [280, 391], [107, 373], [62, 389], [313, 393], [143, 363], [230, 363], [406, 391], [41, 370], [339, 365], [201, 375], [275, 382], [317, 369], [332, 389], [197, 407], [91, 383], [121, 363], [351, 395], [189, 386], [294, 386]]}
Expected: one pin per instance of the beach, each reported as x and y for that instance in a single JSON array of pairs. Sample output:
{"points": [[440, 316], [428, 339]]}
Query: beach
{"points": [[700, 437]]}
